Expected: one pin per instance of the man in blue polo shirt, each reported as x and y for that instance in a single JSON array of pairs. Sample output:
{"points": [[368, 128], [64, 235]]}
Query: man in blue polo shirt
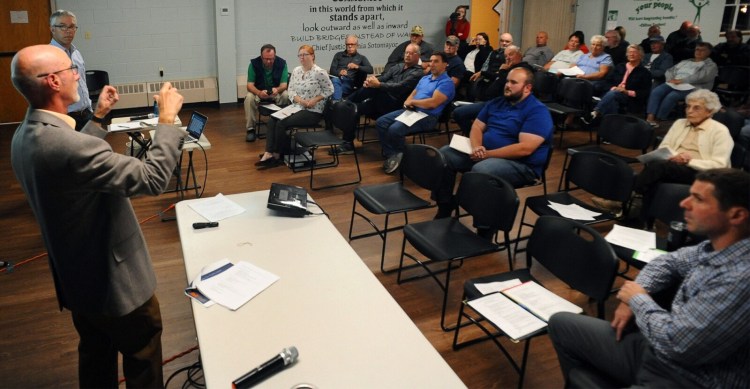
{"points": [[433, 92], [63, 25], [508, 140]]}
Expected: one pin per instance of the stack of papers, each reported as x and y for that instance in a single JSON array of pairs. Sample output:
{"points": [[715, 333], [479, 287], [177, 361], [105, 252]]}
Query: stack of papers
{"points": [[228, 284], [573, 211], [640, 241], [570, 72], [461, 143], [287, 111], [216, 208], [411, 117]]}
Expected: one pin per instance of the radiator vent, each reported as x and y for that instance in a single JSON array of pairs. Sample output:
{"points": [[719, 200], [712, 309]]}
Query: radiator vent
{"points": [[154, 87], [132, 95], [197, 90], [129, 89]]}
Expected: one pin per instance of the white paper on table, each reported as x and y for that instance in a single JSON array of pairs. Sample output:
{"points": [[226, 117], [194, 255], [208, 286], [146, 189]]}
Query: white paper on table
{"points": [[235, 285], [540, 300], [136, 125], [459, 103], [512, 319], [632, 238], [492, 287], [573, 211], [461, 143], [287, 111], [411, 117], [216, 208], [571, 72], [648, 255], [683, 87]]}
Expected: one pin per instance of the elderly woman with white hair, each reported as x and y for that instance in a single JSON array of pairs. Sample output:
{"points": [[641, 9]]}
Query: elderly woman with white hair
{"points": [[696, 143]]}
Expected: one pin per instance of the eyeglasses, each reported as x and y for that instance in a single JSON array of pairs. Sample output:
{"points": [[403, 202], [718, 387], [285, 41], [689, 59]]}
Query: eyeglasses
{"points": [[303, 55], [351, 44], [65, 28], [73, 68]]}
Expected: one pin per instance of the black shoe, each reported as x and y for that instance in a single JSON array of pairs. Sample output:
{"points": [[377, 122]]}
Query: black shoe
{"points": [[588, 118], [268, 164], [250, 137], [346, 148], [444, 211], [391, 164]]}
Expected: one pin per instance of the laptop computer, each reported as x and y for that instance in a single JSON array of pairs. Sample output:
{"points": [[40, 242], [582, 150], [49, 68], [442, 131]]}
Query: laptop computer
{"points": [[195, 127], [288, 200]]}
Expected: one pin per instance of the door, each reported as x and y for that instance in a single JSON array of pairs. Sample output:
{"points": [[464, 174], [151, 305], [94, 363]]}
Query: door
{"points": [[30, 28]]}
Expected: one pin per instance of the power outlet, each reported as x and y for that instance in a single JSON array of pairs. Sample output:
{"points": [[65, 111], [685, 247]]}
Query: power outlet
{"points": [[161, 71], [87, 35]]}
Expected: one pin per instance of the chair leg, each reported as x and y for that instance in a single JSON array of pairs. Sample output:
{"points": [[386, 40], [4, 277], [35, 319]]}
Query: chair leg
{"points": [[524, 359], [563, 172]]}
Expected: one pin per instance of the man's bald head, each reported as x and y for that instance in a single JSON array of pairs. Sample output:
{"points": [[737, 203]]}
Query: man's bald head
{"points": [[33, 61]]}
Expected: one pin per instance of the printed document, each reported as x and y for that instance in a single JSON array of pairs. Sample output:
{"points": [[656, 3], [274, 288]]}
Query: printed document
{"points": [[660, 154], [234, 285], [570, 72], [461, 143], [216, 208], [411, 117], [540, 300], [508, 316], [632, 238], [287, 111]]}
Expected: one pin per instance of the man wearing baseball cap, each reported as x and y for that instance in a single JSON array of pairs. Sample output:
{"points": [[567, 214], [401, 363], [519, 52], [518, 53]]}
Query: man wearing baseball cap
{"points": [[416, 37], [658, 60], [456, 68]]}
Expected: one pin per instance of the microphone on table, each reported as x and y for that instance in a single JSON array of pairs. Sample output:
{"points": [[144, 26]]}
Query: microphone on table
{"points": [[274, 365]]}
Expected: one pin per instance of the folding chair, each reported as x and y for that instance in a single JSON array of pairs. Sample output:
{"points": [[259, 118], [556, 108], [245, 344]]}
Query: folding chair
{"points": [[96, 80], [574, 253], [573, 98], [492, 202], [421, 164]]}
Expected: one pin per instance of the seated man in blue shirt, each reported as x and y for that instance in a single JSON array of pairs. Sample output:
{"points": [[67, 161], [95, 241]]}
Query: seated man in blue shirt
{"points": [[433, 92], [508, 140], [703, 340]]}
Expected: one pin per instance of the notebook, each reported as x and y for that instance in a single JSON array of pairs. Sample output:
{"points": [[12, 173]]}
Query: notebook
{"points": [[195, 127], [289, 200]]}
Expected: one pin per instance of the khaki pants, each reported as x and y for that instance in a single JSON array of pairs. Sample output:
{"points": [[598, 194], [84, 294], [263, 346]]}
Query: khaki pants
{"points": [[251, 107]]}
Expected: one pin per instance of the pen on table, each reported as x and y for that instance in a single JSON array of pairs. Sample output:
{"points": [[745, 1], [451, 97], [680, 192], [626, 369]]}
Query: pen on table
{"points": [[123, 127]]}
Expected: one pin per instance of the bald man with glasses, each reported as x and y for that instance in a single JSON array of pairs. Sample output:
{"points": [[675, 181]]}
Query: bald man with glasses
{"points": [[63, 26]]}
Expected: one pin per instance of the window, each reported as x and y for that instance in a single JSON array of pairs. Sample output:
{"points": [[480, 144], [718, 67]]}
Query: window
{"points": [[736, 15]]}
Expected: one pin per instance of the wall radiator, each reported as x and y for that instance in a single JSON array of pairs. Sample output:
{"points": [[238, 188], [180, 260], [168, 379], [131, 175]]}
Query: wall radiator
{"points": [[138, 95]]}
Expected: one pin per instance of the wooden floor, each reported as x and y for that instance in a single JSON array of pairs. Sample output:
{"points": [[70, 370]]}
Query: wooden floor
{"points": [[38, 342]]}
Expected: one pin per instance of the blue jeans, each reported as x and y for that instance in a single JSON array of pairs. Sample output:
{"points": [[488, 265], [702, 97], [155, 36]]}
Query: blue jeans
{"points": [[515, 173], [663, 99], [465, 115], [341, 86], [392, 132], [611, 103]]}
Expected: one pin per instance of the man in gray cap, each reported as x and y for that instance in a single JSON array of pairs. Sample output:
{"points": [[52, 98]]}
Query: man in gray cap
{"points": [[658, 60], [456, 68], [416, 37]]}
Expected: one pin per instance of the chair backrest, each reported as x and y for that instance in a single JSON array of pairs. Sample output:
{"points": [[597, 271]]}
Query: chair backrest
{"points": [[491, 201], [575, 253], [733, 78], [732, 119], [344, 115], [601, 175], [665, 205], [96, 79], [626, 131], [575, 93], [424, 165], [545, 85]]}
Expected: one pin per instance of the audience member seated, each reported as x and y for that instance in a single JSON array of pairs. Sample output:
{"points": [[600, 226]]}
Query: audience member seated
{"points": [[479, 51], [267, 78], [508, 140], [653, 31], [698, 143], [465, 114], [387, 92], [582, 44], [459, 26], [615, 47], [309, 87], [657, 61], [683, 49], [348, 67], [596, 65], [540, 54], [622, 32], [488, 73], [698, 72], [456, 68], [698, 340], [416, 38], [677, 36], [432, 94], [632, 83], [567, 57], [733, 51]]}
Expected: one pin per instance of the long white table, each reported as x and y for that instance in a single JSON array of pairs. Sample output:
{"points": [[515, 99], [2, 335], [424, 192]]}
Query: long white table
{"points": [[349, 331]]}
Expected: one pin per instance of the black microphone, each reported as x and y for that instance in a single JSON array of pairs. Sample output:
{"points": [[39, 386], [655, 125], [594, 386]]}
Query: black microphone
{"points": [[274, 365]]}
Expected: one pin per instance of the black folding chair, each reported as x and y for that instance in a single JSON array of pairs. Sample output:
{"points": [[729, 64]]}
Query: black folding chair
{"points": [[492, 202], [95, 82], [573, 98]]}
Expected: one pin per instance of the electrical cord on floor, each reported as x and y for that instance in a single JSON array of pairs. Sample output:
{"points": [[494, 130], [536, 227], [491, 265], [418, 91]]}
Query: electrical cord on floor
{"points": [[205, 175]]}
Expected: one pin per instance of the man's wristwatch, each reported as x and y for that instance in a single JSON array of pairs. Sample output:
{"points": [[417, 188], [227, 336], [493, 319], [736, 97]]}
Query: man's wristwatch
{"points": [[96, 119]]}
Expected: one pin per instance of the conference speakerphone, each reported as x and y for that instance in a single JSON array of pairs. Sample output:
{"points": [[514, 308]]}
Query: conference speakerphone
{"points": [[288, 200]]}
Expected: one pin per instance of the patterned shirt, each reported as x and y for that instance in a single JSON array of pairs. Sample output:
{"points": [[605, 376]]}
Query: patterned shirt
{"points": [[308, 84], [83, 90], [706, 335]]}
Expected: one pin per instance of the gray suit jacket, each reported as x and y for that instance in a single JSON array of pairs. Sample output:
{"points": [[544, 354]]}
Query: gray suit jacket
{"points": [[79, 190]]}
